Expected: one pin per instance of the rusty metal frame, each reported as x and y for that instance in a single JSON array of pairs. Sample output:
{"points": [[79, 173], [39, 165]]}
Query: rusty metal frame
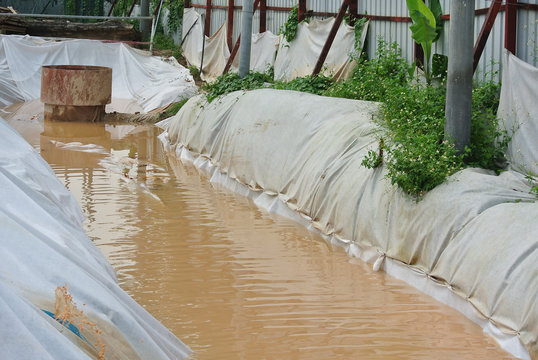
{"points": [[263, 16], [485, 31], [330, 38], [237, 43], [230, 24], [208, 8], [510, 27]]}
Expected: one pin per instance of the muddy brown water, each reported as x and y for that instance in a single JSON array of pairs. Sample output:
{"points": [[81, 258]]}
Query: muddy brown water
{"points": [[233, 281]]}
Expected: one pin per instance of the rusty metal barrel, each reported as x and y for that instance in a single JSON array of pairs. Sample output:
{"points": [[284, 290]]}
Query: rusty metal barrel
{"points": [[75, 92]]}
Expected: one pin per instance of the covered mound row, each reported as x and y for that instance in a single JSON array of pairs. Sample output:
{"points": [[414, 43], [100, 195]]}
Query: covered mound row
{"points": [[475, 234], [49, 267]]}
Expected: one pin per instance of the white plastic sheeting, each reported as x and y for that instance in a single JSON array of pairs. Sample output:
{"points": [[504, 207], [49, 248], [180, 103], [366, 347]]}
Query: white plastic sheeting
{"points": [[216, 52], [298, 58], [262, 53], [292, 60], [518, 109], [43, 247], [149, 80], [475, 235]]}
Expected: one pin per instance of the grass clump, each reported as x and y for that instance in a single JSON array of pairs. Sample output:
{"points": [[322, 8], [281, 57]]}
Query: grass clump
{"points": [[310, 84], [230, 82], [172, 109], [372, 79]]}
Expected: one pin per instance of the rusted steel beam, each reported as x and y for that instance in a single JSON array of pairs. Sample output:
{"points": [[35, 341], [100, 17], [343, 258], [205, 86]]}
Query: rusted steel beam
{"points": [[301, 11], [232, 55], [187, 4], [263, 16], [236, 46], [353, 11], [112, 7], [208, 17], [510, 27], [330, 38], [230, 28], [132, 7], [484, 32]]}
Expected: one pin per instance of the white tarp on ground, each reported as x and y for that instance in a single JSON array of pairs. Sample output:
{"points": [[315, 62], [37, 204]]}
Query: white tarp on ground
{"points": [[149, 80], [474, 235], [43, 247], [518, 109], [294, 59]]}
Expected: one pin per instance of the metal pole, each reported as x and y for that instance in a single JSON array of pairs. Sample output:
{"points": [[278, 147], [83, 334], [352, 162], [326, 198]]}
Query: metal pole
{"points": [[203, 47], [246, 34], [144, 24], [154, 23], [460, 73]]}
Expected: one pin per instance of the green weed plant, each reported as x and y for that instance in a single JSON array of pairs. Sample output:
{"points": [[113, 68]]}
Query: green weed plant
{"points": [[412, 117]]}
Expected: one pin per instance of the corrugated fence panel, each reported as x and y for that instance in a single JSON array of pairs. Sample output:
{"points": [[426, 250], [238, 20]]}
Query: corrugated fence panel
{"points": [[527, 34], [390, 31], [398, 31]]}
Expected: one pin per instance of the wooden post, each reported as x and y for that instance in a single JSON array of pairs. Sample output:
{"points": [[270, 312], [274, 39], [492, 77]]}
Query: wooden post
{"points": [[330, 38], [301, 10], [484, 32], [510, 27], [237, 43], [230, 29], [208, 7], [263, 16]]}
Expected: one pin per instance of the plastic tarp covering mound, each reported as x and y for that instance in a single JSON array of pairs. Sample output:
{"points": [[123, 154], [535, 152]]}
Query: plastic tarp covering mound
{"points": [[149, 80], [475, 235], [518, 110], [44, 247]]}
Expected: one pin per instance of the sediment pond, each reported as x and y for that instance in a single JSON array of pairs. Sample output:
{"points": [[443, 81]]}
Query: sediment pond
{"points": [[230, 280]]}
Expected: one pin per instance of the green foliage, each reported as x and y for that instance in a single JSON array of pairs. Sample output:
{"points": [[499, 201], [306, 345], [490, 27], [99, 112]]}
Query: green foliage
{"points": [[488, 142], [195, 72], [372, 79], [359, 28], [175, 8], [426, 26], [172, 109], [437, 11], [232, 82], [289, 29], [417, 157], [84, 7], [310, 84], [175, 15], [531, 178], [439, 66]]}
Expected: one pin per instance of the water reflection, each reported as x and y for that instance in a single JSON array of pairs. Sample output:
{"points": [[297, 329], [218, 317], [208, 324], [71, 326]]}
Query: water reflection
{"points": [[231, 281]]}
